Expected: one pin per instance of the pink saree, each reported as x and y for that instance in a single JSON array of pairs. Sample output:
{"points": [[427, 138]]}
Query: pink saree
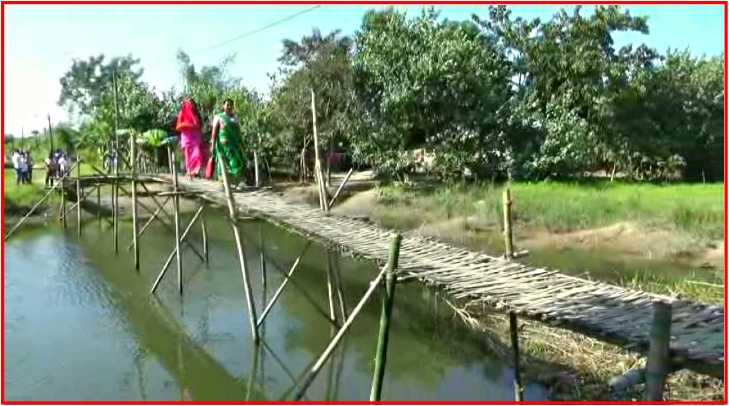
{"points": [[191, 142]]}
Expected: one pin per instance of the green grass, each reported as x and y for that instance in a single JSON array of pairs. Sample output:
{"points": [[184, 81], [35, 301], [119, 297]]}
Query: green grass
{"points": [[563, 207], [22, 195]]}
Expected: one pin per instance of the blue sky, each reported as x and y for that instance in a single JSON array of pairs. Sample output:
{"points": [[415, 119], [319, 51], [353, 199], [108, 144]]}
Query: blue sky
{"points": [[41, 40]]}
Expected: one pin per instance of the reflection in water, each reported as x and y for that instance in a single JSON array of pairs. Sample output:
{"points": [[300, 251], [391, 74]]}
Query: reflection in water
{"points": [[80, 324]]}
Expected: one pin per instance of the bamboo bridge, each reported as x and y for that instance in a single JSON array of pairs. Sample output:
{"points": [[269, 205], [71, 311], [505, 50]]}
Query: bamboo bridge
{"points": [[613, 314]]}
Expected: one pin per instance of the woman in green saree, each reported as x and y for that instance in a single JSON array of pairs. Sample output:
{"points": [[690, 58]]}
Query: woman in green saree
{"points": [[227, 144]]}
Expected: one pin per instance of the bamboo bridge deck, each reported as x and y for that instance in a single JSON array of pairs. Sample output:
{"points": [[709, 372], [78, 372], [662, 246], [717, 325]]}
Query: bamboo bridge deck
{"points": [[606, 312]]}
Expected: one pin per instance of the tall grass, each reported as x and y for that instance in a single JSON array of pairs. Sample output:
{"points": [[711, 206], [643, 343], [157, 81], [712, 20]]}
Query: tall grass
{"points": [[561, 207]]}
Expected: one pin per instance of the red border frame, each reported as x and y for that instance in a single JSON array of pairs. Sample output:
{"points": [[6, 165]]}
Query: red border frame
{"points": [[347, 2]]}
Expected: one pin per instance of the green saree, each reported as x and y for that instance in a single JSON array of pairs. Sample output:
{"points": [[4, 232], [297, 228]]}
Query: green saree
{"points": [[231, 151]]}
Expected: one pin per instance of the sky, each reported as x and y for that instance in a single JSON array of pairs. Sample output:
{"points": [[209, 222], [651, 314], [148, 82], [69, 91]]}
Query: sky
{"points": [[41, 41]]}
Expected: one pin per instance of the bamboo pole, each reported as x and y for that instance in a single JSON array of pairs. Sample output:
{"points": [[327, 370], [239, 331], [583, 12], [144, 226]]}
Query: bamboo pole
{"points": [[176, 206], [264, 276], [35, 207], [63, 202], [135, 214], [174, 252], [658, 365], [340, 288], [385, 318], [163, 211], [117, 158], [204, 229], [330, 287], [98, 202], [79, 198], [508, 233], [323, 203], [281, 287], [514, 333], [149, 222], [341, 186], [232, 217], [311, 374], [255, 168]]}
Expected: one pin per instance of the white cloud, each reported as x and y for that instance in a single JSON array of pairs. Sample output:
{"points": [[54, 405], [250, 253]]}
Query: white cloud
{"points": [[31, 93]]}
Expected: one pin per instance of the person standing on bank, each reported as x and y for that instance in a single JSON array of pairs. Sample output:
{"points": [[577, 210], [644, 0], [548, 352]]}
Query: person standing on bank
{"points": [[227, 144]]}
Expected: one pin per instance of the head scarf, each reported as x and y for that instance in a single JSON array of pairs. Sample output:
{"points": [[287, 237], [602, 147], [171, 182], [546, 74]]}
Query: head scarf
{"points": [[187, 117]]}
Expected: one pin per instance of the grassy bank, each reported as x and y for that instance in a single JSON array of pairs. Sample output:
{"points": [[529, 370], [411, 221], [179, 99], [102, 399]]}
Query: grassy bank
{"points": [[661, 239]]}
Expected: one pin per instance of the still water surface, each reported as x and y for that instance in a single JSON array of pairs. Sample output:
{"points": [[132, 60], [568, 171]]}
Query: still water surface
{"points": [[80, 324]]}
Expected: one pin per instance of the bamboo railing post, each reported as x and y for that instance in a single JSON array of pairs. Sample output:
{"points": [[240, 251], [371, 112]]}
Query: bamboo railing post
{"points": [[204, 229], [232, 217], [514, 333], [658, 365], [135, 214], [385, 318], [508, 233], [176, 208], [311, 374], [341, 186]]}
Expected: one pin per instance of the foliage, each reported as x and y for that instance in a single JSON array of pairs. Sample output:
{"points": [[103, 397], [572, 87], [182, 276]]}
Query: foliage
{"points": [[503, 97]]}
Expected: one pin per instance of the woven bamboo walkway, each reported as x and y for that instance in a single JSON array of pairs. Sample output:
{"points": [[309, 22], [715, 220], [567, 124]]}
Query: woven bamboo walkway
{"points": [[609, 313]]}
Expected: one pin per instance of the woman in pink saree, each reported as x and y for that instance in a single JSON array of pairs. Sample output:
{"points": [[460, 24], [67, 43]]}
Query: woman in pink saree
{"points": [[189, 125]]}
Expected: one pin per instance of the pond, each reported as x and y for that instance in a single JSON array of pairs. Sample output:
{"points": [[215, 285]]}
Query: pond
{"points": [[80, 324]]}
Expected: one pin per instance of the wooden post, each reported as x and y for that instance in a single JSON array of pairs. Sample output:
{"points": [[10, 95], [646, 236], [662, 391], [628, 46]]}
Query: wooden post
{"points": [[78, 197], [135, 214], [232, 217], [514, 332], [310, 375], [658, 365], [176, 208], [508, 233], [204, 229], [385, 316]]}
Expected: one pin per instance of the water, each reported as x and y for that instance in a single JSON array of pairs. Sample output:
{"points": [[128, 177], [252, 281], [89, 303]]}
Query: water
{"points": [[80, 324]]}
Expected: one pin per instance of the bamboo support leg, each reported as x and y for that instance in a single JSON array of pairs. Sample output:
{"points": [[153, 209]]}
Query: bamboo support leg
{"points": [[166, 225], [204, 229], [659, 362], [135, 224], [385, 317], [514, 334], [98, 202], [264, 276], [232, 213], [79, 199], [312, 373], [63, 203], [148, 223], [330, 287], [280, 289], [115, 209], [508, 233], [176, 205], [174, 252]]}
